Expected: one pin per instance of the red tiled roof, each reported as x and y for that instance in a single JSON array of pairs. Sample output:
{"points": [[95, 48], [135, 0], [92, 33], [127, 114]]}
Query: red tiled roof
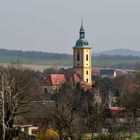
{"points": [[93, 83], [74, 77], [95, 71], [115, 111], [83, 83], [117, 108], [131, 86], [59, 79], [54, 79], [46, 80]]}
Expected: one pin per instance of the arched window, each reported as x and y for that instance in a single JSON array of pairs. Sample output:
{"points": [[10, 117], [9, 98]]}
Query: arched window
{"points": [[78, 57], [87, 57], [86, 72], [87, 79]]}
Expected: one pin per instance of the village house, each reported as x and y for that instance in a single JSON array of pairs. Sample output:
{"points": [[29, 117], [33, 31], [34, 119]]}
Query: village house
{"points": [[52, 82]]}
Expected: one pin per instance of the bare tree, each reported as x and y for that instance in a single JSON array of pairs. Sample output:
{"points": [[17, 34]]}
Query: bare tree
{"points": [[15, 86], [64, 110], [2, 105], [132, 105], [104, 85], [63, 117]]}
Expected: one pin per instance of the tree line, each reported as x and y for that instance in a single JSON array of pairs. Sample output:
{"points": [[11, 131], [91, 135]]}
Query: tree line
{"points": [[53, 56]]}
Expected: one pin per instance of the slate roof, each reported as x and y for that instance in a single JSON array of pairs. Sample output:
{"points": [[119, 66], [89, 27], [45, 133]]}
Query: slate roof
{"points": [[107, 72]]}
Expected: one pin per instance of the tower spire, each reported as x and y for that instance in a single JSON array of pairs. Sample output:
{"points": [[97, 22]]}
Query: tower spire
{"points": [[82, 22], [82, 31]]}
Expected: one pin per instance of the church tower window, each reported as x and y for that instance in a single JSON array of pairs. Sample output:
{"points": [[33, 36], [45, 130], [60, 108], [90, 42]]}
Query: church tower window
{"points": [[87, 57], [78, 57]]}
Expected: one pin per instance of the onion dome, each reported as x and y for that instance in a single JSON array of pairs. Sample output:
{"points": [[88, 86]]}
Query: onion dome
{"points": [[82, 42]]}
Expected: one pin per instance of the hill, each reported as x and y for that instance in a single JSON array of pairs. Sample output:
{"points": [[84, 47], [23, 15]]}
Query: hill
{"points": [[56, 59], [123, 52], [33, 54]]}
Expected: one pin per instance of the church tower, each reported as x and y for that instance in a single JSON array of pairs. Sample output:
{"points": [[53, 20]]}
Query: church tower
{"points": [[82, 57]]}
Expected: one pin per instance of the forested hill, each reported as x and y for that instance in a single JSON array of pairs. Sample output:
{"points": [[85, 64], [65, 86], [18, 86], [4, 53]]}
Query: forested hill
{"points": [[7, 54], [122, 52], [32, 54], [56, 59]]}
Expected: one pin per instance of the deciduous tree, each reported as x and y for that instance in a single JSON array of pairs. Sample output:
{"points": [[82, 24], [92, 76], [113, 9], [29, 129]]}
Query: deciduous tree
{"points": [[15, 87]]}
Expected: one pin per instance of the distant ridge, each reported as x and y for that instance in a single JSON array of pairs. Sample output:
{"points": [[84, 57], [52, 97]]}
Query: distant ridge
{"points": [[126, 60], [33, 54], [122, 52], [49, 55]]}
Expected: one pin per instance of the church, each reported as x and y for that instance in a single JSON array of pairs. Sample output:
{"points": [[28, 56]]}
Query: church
{"points": [[82, 65], [82, 57]]}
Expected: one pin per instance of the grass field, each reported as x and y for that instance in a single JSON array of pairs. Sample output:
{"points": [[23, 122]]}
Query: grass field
{"points": [[96, 62], [115, 62]]}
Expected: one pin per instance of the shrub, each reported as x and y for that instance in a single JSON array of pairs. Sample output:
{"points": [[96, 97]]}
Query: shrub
{"points": [[49, 134]]}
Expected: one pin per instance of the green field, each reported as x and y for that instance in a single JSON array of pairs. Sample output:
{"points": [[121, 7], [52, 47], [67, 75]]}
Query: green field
{"points": [[57, 59], [116, 63], [124, 62]]}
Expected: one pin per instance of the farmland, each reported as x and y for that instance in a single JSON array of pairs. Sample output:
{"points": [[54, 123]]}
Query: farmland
{"points": [[43, 59]]}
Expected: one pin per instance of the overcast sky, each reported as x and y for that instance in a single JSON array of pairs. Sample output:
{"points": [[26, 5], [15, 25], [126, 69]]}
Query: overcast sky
{"points": [[53, 25]]}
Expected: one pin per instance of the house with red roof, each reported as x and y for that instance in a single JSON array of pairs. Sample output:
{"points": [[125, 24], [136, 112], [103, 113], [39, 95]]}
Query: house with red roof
{"points": [[117, 111], [53, 82], [96, 71]]}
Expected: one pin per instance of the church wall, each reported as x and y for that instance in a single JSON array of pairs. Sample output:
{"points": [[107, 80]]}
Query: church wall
{"points": [[87, 66]]}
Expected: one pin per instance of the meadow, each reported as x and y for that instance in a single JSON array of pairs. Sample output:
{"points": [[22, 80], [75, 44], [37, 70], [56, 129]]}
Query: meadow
{"points": [[102, 62]]}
